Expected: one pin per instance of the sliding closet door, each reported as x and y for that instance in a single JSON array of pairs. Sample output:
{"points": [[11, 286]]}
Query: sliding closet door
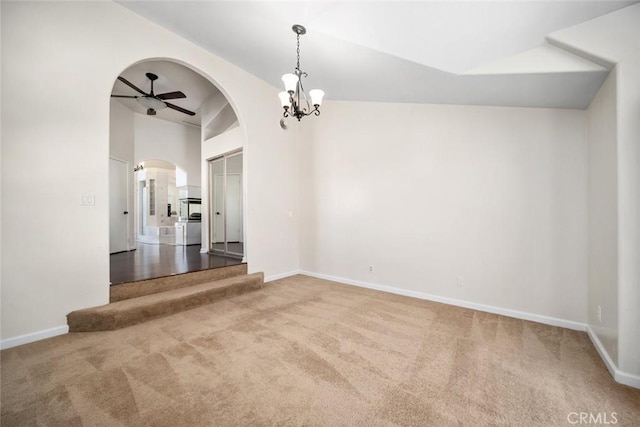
{"points": [[233, 205], [226, 222]]}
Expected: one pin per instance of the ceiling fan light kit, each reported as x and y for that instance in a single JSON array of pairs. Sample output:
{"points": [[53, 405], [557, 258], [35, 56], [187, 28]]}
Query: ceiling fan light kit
{"points": [[294, 100], [151, 101]]}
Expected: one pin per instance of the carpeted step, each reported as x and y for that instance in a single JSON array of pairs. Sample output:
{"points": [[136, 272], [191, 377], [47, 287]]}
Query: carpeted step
{"points": [[162, 284], [137, 310]]}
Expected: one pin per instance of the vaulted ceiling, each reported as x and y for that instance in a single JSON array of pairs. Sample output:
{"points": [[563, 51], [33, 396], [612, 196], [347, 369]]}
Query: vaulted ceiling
{"points": [[449, 52], [171, 77]]}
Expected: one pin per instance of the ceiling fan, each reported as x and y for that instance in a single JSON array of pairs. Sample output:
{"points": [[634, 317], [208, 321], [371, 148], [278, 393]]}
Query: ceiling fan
{"points": [[151, 101]]}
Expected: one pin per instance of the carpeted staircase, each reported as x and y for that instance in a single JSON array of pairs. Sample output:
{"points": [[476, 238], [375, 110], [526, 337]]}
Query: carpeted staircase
{"points": [[137, 302]]}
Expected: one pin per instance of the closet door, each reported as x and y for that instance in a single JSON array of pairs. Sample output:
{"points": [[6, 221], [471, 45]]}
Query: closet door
{"points": [[226, 209], [233, 205]]}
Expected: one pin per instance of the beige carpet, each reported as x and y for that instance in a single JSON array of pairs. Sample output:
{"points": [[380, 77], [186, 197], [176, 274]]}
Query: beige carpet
{"points": [[303, 351]]}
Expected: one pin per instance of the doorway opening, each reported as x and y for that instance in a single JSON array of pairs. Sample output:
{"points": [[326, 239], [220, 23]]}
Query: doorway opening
{"points": [[155, 202], [157, 152], [225, 209]]}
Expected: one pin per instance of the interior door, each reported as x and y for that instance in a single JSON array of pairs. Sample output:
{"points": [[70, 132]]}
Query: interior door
{"points": [[216, 206], [118, 210]]}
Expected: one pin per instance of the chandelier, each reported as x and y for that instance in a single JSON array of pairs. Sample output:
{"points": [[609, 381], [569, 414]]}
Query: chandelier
{"points": [[294, 99]]}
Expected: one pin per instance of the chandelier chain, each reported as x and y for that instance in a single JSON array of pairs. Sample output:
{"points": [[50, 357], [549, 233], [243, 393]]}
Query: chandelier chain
{"points": [[298, 52]]}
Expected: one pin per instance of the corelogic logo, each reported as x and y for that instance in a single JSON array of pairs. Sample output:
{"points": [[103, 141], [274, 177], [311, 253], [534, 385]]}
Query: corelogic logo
{"points": [[598, 418]]}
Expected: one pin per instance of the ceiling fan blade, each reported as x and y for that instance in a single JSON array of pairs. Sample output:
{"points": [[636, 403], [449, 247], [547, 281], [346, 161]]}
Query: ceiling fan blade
{"points": [[171, 95], [124, 96], [131, 85], [182, 110]]}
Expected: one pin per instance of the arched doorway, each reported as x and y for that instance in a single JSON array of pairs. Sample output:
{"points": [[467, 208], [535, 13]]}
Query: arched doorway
{"points": [[167, 143]]}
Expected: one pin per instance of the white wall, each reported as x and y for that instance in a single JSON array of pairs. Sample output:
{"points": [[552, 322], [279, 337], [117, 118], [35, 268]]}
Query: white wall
{"points": [[121, 133], [1, 172], [169, 141], [613, 39], [80, 48], [603, 217], [629, 210], [427, 194], [217, 116]]}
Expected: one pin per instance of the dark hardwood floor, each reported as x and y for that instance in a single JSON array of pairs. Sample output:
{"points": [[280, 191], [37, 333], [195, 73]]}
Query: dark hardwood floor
{"points": [[151, 261]]}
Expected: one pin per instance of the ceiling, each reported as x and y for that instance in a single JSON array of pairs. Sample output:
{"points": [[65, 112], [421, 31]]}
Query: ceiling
{"points": [[171, 77], [449, 52]]}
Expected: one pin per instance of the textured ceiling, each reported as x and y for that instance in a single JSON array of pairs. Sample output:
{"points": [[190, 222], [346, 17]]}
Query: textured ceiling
{"points": [[477, 52]]}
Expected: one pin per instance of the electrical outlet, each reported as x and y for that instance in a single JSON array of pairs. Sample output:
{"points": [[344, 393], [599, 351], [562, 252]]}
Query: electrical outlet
{"points": [[371, 269], [460, 281], [599, 314]]}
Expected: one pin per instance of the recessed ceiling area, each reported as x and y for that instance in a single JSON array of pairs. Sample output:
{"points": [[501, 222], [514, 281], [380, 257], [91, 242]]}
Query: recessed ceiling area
{"points": [[171, 77], [478, 53]]}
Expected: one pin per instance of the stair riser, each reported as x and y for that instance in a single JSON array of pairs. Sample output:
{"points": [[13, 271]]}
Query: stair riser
{"points": [[163, 284], [78, 322]]}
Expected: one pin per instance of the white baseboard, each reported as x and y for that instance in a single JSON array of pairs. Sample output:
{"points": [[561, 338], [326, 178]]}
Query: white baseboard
{"points": [[620, 376], [281, 275], [627, 379], [35, 336], [153, 240], [553, 321], [604, 354]]}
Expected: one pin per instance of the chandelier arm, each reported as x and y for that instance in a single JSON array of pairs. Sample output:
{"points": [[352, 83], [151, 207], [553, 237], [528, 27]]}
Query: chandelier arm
{"points": [[314, 111], [305, 99]]}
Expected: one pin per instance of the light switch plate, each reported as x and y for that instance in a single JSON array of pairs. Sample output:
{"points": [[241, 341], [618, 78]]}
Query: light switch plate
{"points": [[88, 200]]}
